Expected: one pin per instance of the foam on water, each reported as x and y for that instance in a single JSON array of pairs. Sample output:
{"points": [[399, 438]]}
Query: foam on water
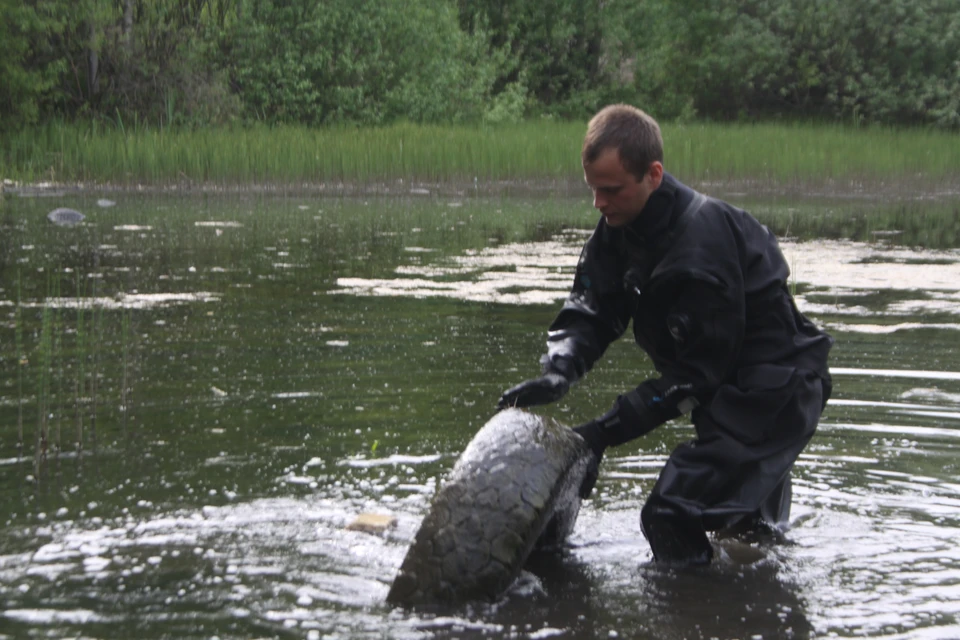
{"points": [[834, 274], [126, 301]]}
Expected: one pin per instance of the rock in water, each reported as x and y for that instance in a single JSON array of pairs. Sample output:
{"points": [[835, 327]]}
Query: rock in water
{"points": [[372, 523], [65, 217], [515, 488]]}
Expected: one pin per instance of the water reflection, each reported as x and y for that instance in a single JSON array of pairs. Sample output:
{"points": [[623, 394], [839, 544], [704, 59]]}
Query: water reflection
{"points": [[756, 600]]}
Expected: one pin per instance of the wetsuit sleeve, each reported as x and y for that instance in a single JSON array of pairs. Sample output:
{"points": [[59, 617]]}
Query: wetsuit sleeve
{"points": [[593, 315]]}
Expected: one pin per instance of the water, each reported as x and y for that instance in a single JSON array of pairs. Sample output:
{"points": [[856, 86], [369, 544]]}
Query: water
{"points": [[232, 379]]}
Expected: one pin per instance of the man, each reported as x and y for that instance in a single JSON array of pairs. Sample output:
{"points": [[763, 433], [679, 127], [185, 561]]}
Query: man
{"points": [[705, 286]]}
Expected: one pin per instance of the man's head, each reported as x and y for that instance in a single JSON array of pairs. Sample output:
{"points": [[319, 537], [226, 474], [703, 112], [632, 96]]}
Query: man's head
{"points": [[622, 160]]}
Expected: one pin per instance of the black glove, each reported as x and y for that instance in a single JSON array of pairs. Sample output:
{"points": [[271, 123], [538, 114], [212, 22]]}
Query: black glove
{"points": [[558, 374], [632, 415], [595, 434], [547, 388], [592, 433]]}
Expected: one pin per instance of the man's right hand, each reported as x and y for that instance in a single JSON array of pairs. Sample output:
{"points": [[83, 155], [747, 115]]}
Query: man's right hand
{"points": [[543, 390]]}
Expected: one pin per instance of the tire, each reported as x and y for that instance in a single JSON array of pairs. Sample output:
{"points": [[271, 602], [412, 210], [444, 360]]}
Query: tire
{"points": [[515, 488]]}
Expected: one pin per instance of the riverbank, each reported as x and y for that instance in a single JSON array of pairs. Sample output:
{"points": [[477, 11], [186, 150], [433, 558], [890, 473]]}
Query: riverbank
{"points": [[533, 156], [900, 190]]}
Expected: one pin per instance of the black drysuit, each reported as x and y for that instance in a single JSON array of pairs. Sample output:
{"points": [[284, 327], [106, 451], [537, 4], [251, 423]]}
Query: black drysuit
{"points": [[705, 286]]}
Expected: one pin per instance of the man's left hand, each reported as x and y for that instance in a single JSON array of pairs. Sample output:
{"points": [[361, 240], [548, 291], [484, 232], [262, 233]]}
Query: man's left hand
{"points": [[593, 436]]}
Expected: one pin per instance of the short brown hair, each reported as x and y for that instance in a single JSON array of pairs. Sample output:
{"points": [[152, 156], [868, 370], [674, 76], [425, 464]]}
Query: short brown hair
{"points": [[633, 133]]}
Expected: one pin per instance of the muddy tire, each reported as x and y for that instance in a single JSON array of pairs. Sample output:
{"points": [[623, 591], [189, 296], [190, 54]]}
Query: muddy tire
{"points": [[515, 488]]}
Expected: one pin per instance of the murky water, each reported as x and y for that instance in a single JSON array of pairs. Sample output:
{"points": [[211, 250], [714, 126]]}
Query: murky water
{"points": [[209, 389]]}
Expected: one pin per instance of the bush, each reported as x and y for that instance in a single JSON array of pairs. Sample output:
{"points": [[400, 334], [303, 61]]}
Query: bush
{"points": [[361, 62]]}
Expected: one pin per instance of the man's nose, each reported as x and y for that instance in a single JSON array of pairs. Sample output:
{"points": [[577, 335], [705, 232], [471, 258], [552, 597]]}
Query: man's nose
{"points": [[598, 200]]}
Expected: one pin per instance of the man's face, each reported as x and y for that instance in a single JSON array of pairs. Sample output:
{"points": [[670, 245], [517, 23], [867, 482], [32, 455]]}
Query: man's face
{"points": [[617, 194]]}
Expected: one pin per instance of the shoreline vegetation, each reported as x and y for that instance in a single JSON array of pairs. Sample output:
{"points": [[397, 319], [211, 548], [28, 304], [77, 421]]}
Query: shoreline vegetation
{"points": [[526, 156]]}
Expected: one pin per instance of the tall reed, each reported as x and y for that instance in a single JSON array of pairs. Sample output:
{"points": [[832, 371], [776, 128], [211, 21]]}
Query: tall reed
{"points": [[44, 369], [81, 345], [21, 360], [57, 357], [397, 154], [97, 336], [125, 364]]}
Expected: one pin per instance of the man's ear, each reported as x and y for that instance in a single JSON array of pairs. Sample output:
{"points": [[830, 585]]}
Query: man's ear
{"points": [[655, 173]]}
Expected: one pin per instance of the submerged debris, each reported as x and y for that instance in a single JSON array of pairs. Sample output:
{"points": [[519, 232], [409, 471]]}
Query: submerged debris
{"points": [[65, 217], [372, 523]]}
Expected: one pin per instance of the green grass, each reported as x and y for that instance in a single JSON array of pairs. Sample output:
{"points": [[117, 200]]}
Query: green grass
{"points": [[541, 150]]}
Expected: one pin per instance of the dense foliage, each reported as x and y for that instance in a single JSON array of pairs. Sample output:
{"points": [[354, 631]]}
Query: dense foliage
{"points": [[199, 62]]}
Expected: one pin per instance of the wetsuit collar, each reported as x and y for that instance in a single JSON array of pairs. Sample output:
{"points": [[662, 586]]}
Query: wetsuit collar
{"points": [[661, 211]]}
